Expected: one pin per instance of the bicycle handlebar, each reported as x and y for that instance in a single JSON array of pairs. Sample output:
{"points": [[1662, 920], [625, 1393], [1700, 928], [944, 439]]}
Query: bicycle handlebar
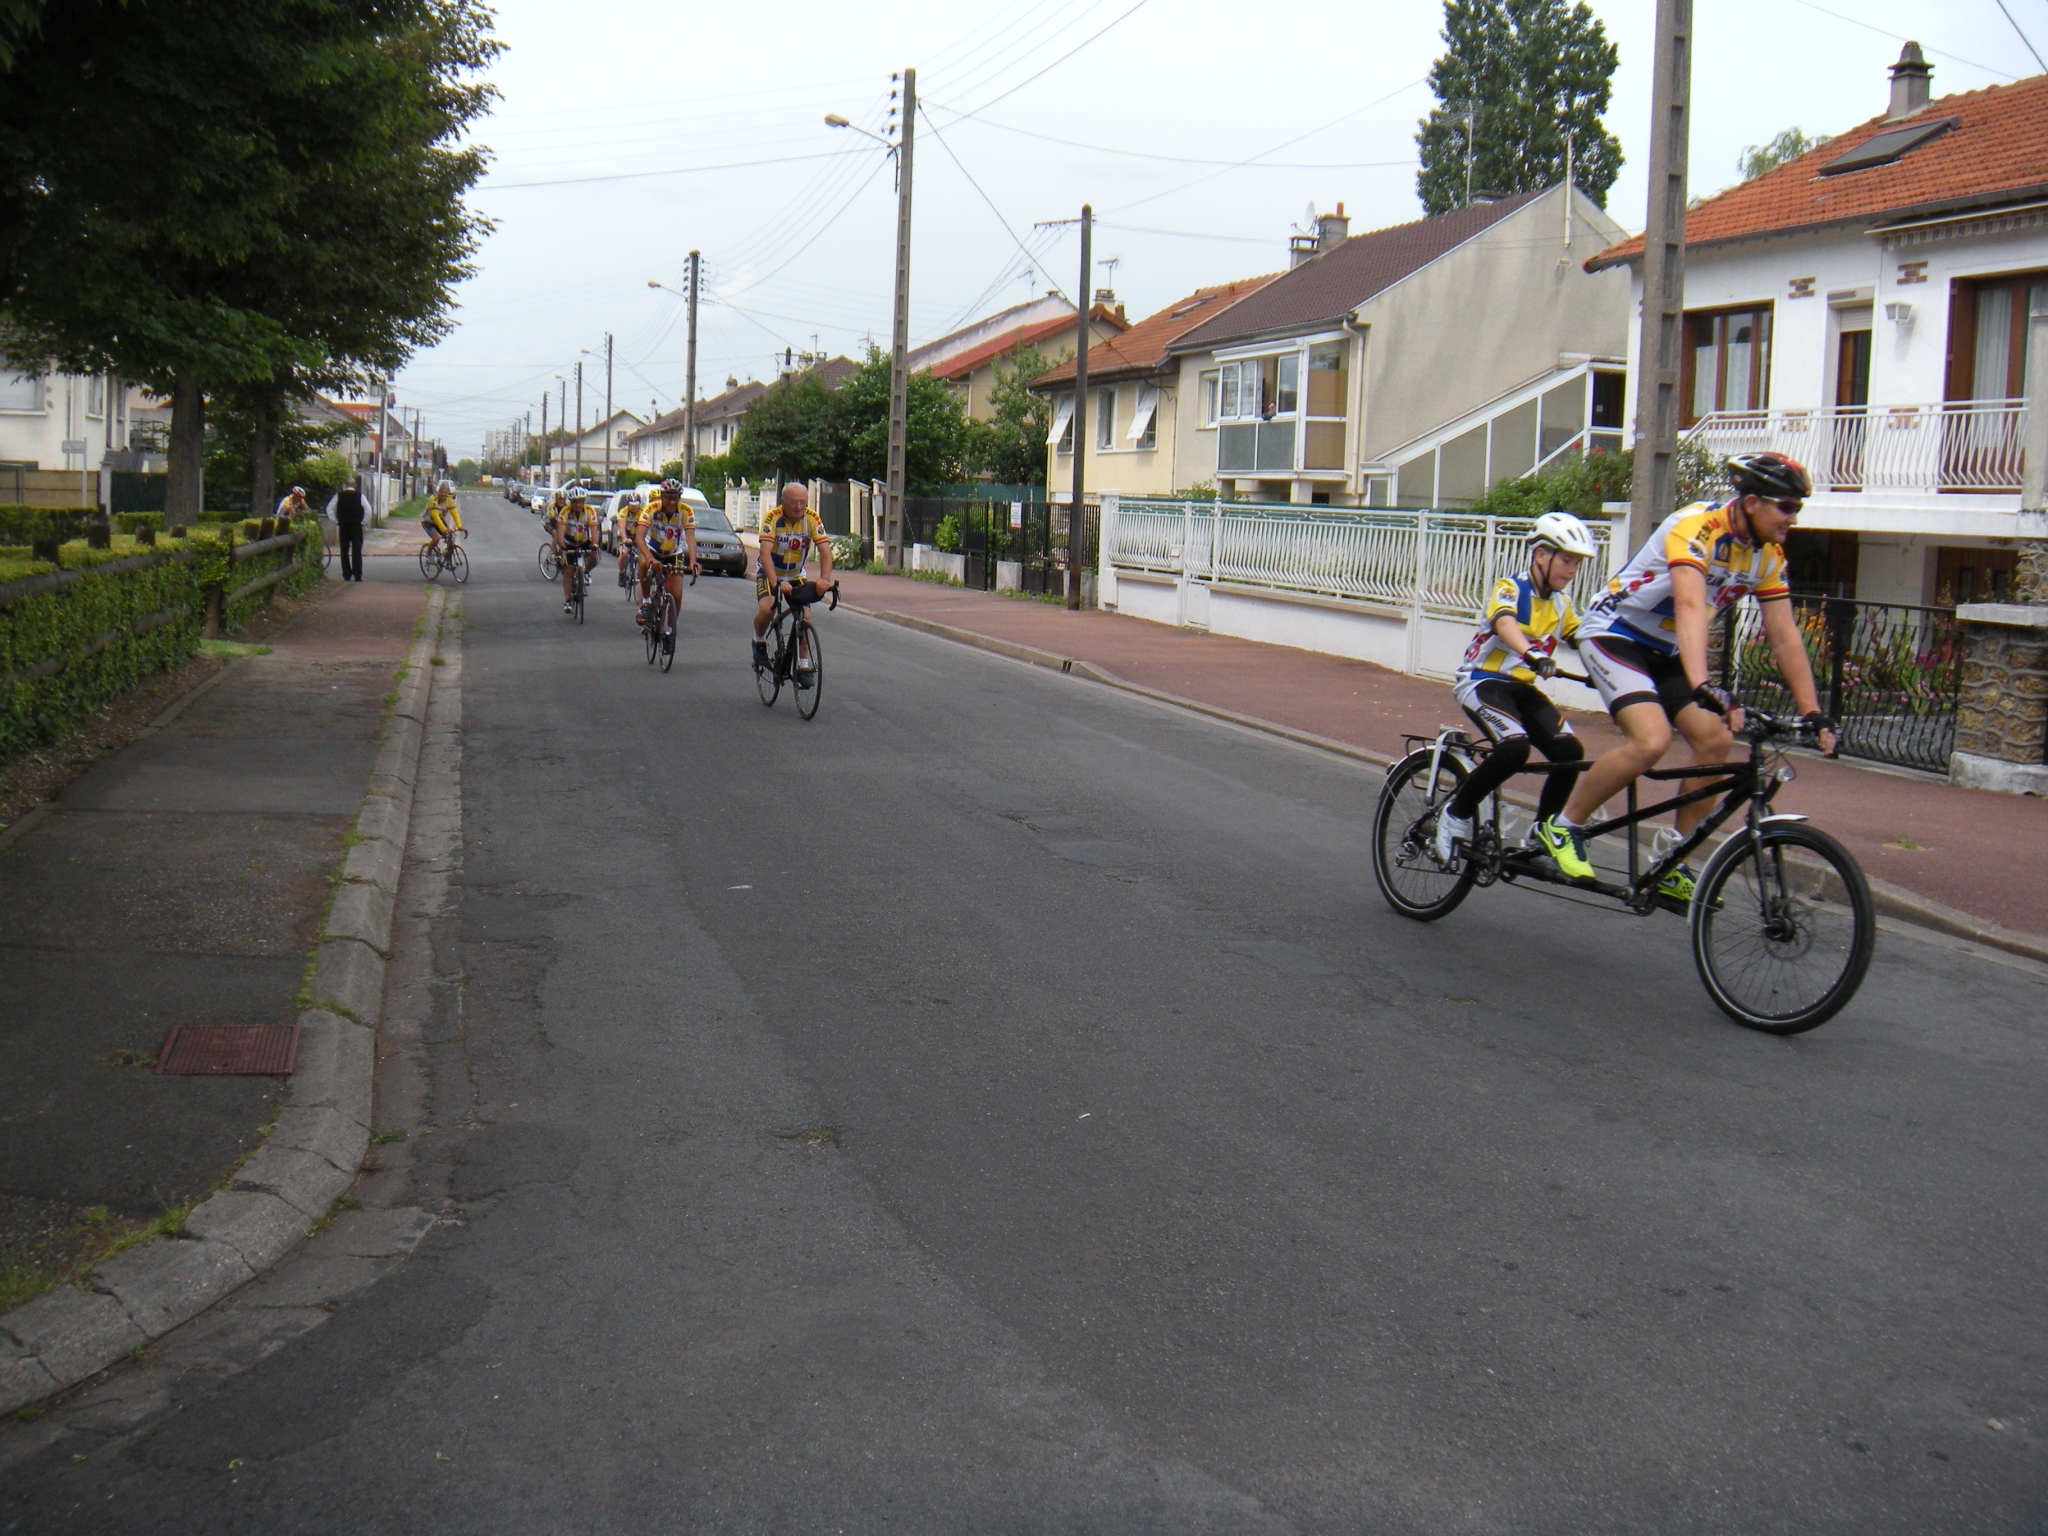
{"points": [[834, 604]]}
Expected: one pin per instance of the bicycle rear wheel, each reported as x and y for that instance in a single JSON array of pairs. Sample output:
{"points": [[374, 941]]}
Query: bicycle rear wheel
{"points": [[1403, 826], [768, 674], [1783, 928], [811, 688], [430, 564], [458, 565]]}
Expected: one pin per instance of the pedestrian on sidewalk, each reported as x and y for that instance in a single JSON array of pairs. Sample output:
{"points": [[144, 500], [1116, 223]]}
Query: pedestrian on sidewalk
{"points": [[349, 515]]}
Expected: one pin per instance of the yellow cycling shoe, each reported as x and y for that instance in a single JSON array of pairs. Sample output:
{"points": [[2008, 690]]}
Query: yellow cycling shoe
{"points": [[1566, 845]]}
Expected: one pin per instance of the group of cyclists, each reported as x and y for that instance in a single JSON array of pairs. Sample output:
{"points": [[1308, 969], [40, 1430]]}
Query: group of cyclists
{"points": [[1644, 645], [659, 544], [1643, 642]]}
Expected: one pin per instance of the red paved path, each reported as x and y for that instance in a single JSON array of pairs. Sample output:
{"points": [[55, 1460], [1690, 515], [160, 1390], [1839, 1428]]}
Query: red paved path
{"points": [[1984, 853]]}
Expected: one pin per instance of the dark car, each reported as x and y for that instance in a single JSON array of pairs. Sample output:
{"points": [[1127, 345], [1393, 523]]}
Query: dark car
{"points": [[719, 550]]}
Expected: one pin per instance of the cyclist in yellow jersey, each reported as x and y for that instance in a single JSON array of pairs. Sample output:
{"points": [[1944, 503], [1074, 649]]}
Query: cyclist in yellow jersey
{"points": [[442, 519], [1528, 617], [788, 535], [623, 535], [1645, 646], [666, 528], [575, 541]]}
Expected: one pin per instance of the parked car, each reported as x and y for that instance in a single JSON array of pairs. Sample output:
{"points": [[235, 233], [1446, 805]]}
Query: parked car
{"points": [[719, 550]]}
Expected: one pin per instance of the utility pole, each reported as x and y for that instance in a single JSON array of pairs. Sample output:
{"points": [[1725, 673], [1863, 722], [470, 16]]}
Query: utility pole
{"points": [[377, 506], [576, 451], [1655, 488], [899, 336], [547, 454], [607, 410], [1077, 516], [690, 380]]}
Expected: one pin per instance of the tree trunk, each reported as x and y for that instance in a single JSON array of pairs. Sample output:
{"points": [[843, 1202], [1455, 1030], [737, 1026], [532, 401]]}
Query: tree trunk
{"points": [[263, 457], [184, 487]]}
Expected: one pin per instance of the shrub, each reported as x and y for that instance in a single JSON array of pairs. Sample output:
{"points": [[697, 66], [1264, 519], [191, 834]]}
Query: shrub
{"points": [[135, 522], [26, 525], [946, 537]]}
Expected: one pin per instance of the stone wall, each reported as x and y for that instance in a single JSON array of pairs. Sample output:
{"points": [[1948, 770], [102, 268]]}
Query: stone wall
{"points": [[2003, 709]]}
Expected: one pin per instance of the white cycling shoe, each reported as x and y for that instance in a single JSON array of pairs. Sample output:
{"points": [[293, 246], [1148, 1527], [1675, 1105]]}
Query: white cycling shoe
{"points": [[1450, 831]]}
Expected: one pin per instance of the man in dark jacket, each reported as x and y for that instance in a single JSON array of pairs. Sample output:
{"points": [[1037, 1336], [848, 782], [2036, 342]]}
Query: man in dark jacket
{"points": [[349, 513]]}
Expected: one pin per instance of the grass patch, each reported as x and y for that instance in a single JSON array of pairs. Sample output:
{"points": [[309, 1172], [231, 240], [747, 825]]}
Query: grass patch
{"points": [[98, 1237], [231, 648], [937, 578], [1906, 845], [437, 661], [385, 1138]]}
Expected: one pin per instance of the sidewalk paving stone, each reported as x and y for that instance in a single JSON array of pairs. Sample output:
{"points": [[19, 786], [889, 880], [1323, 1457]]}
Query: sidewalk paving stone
{"points": [[1982, 853]]}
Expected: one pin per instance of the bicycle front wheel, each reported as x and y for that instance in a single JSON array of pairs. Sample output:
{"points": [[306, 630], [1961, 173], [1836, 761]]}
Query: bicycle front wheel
{"points": [[1783, 928], [430, 565], [458, 565], [1403, 828], [768, 674], [810, 687], [550, 567], [665, 629]]}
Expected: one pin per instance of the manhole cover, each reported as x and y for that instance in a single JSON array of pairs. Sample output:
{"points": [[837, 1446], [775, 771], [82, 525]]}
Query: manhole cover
{"points": [[243, 1050]]}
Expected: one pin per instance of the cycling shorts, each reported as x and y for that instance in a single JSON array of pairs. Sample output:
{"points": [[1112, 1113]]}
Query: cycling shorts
{"points": [[1505, 708], [1628, 672]]}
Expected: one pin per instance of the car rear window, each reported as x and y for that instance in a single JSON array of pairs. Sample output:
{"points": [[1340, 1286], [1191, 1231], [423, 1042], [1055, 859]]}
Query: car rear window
{"points": [[713, 520]]}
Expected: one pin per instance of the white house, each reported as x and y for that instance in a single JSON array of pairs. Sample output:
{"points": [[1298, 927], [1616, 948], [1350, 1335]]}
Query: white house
{"points": [[1863, 308], [601, 449], [57, 427], [1413, 366]]}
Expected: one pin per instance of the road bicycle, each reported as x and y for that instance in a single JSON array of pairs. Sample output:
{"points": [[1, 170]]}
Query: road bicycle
{"points": [[658, 628], [550, 566], [579, 586], [629, 574], [1781, 919], [438, 557], [790, 636]]}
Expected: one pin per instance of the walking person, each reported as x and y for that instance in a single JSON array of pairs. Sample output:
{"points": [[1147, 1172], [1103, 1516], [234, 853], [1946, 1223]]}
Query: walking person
{"points": [[349, 516]]}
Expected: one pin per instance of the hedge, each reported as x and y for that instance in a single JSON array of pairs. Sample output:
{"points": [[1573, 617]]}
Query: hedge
{"points": [[72, 638], [24, 525]]}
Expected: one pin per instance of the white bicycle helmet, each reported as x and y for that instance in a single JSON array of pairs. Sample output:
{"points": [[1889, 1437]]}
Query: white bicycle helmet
{"points": [[1564, 533]]}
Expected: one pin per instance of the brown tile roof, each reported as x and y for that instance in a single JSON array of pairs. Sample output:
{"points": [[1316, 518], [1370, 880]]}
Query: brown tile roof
{"points": [[1997, 149], [1022, 336], [1322, 291], [1145, 345]]}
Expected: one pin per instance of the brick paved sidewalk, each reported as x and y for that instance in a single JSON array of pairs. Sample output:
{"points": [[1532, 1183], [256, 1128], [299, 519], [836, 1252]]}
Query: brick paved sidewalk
{"points": [[1985, 854], [180, 880]]}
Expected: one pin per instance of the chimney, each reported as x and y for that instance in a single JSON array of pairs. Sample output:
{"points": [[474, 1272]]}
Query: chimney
{"points": [[1300, 248], [1332, 230], [1105, 297], [1909, 83]]}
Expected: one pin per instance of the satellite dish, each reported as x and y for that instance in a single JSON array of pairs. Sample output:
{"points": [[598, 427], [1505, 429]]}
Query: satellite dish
{"points": [[1311, 213]]}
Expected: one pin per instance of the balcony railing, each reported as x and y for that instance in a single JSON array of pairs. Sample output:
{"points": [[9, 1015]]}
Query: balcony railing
{"points": [[1956, 445]]}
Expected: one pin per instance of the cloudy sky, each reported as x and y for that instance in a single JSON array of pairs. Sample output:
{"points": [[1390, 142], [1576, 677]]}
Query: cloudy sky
{"points": [[631, 131]]}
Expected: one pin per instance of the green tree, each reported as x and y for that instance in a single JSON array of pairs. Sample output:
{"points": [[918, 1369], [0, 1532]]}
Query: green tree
{"points": [[1515, 77], [1789, 145], [275, 204], [230, 437], [792, 432], [1010, 446], [935, 435]]}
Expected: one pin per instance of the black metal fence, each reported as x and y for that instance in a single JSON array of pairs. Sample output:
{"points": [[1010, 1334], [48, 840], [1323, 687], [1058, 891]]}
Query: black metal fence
{"points": [[1032, 534], [1890, 673]]}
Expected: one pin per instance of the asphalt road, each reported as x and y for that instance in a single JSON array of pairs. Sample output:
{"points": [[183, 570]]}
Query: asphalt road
{"points": [[1002, 1104]]}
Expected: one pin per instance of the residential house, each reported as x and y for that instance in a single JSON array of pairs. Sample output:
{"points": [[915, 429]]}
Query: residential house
{"points": [[1412, 366], [58, 429], [600, 449], [1135, 418], [936, 355], [1863, 308], [718, 419], [972, 373]]}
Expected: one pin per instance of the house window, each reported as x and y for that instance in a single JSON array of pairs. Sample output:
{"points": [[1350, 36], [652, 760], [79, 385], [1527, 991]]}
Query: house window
{"points": [[1211, 382], [21, 392], [1105, 420], [1144, 431], [96, 397], [1061, 433], [1727, 362], [1328, 389], [1987, 336]]}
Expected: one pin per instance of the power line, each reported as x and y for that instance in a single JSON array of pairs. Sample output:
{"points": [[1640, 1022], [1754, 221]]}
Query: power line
{"points": [[1139, 154], [679, 170], [1056, 63], [2023, 36], [1288, 144], [1880, 31], [992, 208], [818, 233]]}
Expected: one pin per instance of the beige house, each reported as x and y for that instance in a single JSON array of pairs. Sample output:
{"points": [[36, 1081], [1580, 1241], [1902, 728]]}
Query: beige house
{"points": [[972, 373], [1133, 421], [1413, 366]]}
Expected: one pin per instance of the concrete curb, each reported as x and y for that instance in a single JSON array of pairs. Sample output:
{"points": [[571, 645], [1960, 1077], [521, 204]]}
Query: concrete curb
{"points": [[1893, 901], [316, 1147]]}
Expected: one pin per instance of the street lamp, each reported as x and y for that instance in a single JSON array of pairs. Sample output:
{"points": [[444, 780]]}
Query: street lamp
{"points": [[834, 120]]}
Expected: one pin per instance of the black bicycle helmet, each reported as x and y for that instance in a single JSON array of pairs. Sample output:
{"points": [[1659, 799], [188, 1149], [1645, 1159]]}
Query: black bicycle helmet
{"points": [[1770, 475]]}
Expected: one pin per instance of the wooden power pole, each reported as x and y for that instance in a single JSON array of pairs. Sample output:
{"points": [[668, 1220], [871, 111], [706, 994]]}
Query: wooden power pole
{"points": [[690, 380], [1654, 493]]}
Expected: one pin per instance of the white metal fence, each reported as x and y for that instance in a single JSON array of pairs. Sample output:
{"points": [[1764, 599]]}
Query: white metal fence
{"points": [[1432, 564], [1956, 445]]}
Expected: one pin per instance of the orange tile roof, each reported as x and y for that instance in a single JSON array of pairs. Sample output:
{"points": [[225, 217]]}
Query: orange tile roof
{"points": [[1022, 336], [1144, 346], [1997, 149]]}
